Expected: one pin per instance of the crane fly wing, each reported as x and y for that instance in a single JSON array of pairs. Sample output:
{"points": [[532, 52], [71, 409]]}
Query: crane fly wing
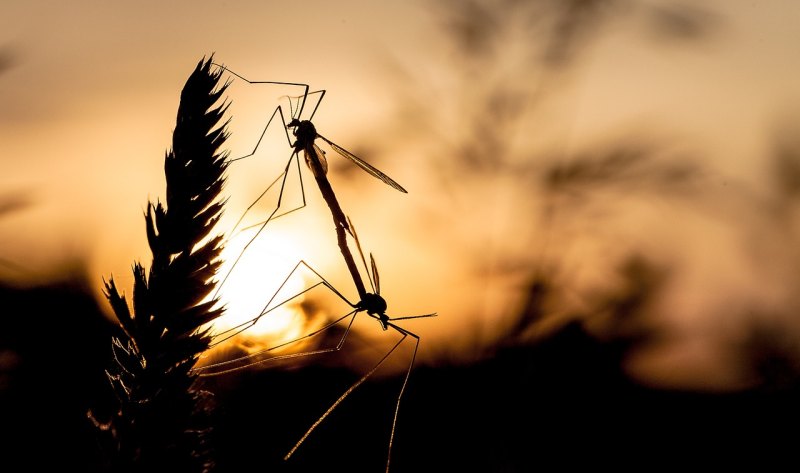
{"points": [[360, 251], [364, 165], [375, 276], [320, 158]]}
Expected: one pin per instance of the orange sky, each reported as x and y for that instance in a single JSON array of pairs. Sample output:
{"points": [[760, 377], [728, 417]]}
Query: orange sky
{"points": [[89, 103]]}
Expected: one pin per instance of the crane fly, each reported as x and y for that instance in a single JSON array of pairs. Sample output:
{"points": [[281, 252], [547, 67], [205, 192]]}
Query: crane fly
{"points": [[306, 137], [306, 134], [370, 303]]}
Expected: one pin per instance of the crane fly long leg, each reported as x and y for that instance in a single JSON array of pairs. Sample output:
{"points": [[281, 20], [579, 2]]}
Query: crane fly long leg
{"points": [[305, 97], [342, 398], [274, 214], [403, 335], [201, 371], [264, 222], [278, 110], [254, 82], [237, 329], [271, 216], [408, 317], [402, 387], [233, 331], [215, 370]]}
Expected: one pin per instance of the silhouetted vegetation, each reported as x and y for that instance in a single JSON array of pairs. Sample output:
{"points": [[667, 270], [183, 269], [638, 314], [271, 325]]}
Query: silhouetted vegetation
{"points": [[53, 347], [551, 390], [163, 420], [563, 400]]}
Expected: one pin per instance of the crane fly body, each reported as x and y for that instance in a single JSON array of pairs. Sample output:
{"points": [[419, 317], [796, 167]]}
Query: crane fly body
{"points": [[369, 302], [306, 135]]}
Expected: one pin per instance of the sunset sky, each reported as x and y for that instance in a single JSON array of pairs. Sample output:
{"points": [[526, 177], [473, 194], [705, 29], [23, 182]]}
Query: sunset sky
{"points": [[90, 90]]}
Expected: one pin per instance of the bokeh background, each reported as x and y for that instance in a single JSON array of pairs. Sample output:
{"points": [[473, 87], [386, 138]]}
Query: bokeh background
{"points": [[602, 209]]}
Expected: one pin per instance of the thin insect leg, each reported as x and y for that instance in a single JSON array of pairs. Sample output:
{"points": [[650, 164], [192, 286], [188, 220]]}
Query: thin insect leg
{"points": [[281, 345], [279, 111], [236, 330], [241, 327], [402, 388], [253, 204], [282, 175], [327, 284], [264, 224], [319, 101], [202, 371], [342, 398], [434, 314], [304, 97], [233, 331], [305, 86]]}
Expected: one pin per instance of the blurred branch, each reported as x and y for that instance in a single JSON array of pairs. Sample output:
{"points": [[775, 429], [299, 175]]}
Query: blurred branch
{"points": [[625, 165], [680, 22], [493, 122], [14, 202], [785, 165], [616, 313], [8, 58], [556, 31]]}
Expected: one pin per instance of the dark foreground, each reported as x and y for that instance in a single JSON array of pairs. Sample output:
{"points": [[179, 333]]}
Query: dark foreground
{"points": [[560, 404]]}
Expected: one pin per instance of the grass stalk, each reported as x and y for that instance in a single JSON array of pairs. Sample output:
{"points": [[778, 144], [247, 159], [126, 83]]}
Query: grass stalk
{"points": [[163, 421]]}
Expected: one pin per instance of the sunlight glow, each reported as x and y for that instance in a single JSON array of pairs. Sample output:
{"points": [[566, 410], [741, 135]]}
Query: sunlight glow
{"points": [[254, 280]]}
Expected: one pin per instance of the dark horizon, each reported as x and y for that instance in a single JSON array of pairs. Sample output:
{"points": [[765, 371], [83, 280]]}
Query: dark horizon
{"points": [[561, 402], [600, 203]]}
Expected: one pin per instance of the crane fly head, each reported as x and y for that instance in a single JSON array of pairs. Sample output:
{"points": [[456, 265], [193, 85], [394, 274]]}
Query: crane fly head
{"points": [[374, 305], [304, 131]]}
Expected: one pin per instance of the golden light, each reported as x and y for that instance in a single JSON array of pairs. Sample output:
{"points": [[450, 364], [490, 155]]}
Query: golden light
{"points": [[259, 291]]}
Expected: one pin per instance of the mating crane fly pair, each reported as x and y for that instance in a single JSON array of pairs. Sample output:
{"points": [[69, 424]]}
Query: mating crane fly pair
{"points": [[371, 303], [305, 140]]}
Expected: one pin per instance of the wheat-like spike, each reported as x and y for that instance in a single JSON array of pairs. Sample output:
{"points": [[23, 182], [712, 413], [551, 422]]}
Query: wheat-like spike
{"points": [[162, 423]]}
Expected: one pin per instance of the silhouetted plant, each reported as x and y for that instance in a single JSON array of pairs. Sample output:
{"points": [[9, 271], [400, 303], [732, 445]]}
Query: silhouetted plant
{"points": [[163, 421]]}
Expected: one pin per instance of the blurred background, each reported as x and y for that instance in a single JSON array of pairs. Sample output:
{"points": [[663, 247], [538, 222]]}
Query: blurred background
{"points": [[602, 209]]}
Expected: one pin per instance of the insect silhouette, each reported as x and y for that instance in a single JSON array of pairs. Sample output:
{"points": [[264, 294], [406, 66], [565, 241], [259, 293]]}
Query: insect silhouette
{"points": [[306, 137], [370, 303]]}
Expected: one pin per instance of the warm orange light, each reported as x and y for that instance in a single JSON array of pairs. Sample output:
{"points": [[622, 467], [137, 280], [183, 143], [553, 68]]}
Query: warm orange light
{"points": [[257, 295]]}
